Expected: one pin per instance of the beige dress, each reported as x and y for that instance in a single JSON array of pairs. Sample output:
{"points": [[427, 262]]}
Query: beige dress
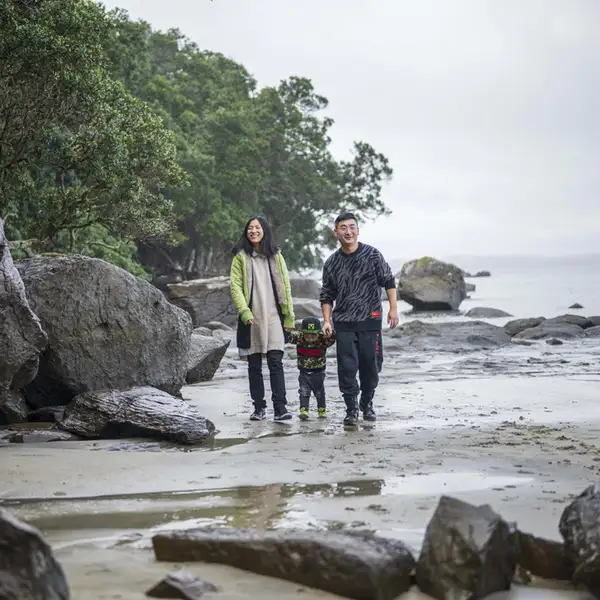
{"points": [[266, 330]]}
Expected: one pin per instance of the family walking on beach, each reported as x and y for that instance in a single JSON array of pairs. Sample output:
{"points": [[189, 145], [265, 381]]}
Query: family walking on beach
{"points": [[352, 319]]}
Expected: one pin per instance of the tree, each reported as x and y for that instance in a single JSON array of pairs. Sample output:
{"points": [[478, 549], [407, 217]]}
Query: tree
{"points": [[246, 151], [77, 149], [133, 145]]}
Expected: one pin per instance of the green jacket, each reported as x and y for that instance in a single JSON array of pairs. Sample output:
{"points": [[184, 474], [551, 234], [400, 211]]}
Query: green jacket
{"points": [[240, 292]]}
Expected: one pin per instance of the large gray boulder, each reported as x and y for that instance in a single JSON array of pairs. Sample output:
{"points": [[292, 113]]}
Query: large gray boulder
{"points": [[22, 338], [28, 569], [469, 552], [107, 329], [430, 284], [205, 300], [206, 353], [356, 565], [454, 336], [138, 412]]}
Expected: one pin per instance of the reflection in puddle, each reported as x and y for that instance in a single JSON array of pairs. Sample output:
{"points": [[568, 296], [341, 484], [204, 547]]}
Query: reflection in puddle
{"points": [[269, 506]]}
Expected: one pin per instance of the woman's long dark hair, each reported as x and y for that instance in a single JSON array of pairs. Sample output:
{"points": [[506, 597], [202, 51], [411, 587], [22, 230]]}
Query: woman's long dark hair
{"points": [[267, 244]]}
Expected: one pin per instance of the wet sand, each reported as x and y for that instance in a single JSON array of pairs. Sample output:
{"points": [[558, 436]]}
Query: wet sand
{"points": [[525, 443]]}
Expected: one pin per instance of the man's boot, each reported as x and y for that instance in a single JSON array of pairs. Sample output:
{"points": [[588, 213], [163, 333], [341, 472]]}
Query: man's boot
{"points": [[351, 418], [366, 406]]}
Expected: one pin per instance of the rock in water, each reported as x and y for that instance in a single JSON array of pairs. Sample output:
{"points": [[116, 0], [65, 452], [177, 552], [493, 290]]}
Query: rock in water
{"points": [[454, 336], [205, 300], [28, 569], [468, 553], [206, 353], [518, 325], [484, 312], [430, 284], [107, 329], [550, 329], [181, 585], [22, 338], [543, 558], [355, 566], [138, 412], [580, 528]]}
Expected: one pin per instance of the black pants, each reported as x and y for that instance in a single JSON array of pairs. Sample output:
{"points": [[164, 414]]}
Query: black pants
{"points": [[309, 382], [257, 384], [359, 352]]}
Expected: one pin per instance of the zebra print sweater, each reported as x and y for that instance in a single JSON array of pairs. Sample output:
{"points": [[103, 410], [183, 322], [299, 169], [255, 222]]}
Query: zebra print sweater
{"points": [[352, 285]]}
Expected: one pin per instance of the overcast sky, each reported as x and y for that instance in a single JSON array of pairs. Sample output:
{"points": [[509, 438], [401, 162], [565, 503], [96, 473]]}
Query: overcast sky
{"points": [[489, 110]]}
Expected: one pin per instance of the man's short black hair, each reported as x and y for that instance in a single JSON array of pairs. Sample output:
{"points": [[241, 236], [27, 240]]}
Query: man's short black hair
{"points": [[347, 216]]}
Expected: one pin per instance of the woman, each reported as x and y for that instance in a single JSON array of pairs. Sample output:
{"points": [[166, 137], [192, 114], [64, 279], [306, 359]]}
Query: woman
{"points": [[261, 293]]}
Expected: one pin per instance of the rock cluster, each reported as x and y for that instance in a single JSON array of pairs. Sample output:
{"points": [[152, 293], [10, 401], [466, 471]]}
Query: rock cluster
{"points": [[562, 327], [85, 334], [468, 552]]}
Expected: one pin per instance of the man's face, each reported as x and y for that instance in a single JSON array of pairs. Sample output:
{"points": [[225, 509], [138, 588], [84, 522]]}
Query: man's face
{"points": [[347, 232]]}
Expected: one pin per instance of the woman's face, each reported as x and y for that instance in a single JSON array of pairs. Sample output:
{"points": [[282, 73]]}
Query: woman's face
{"points": [[255, 232]]}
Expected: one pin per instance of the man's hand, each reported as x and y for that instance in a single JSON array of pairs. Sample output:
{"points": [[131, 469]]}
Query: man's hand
{"points": [[393, 317], [327, 329]]}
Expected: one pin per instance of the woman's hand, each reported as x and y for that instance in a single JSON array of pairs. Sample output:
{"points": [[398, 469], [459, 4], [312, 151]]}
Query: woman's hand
{"points": [[250, 321]]}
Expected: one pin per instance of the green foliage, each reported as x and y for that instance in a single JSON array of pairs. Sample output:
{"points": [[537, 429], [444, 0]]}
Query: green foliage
{"points": [[112, 132], [77, 150]]}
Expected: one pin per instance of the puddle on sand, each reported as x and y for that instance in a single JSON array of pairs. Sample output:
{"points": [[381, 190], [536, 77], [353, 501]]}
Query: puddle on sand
{"points": [[275, 505]]}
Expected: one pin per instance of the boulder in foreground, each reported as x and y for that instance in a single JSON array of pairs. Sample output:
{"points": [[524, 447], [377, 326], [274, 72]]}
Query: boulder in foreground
{"points": [[431, 284], [22, 338], [468, 553], [353, 565], [580, 528], [137, 412], [28, 569], [107, 329]]}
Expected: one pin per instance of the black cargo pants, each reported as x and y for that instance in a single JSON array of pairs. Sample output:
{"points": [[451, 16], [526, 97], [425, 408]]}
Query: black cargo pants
{"points": [[359, 352]]}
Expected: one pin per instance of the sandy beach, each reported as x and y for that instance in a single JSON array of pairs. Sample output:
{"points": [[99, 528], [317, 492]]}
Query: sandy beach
{"points": [[523, 442]]}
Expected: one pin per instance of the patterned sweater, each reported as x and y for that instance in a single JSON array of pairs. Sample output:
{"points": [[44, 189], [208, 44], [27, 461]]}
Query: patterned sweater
{"points": [[312, 356], [352, 285]]}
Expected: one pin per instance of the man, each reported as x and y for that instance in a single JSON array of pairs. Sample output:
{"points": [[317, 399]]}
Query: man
{"points": [[352, 280]]}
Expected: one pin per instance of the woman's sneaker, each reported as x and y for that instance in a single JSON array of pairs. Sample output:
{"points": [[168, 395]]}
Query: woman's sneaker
{"points": [[258, 415], [322, 413], [303, 414]]}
